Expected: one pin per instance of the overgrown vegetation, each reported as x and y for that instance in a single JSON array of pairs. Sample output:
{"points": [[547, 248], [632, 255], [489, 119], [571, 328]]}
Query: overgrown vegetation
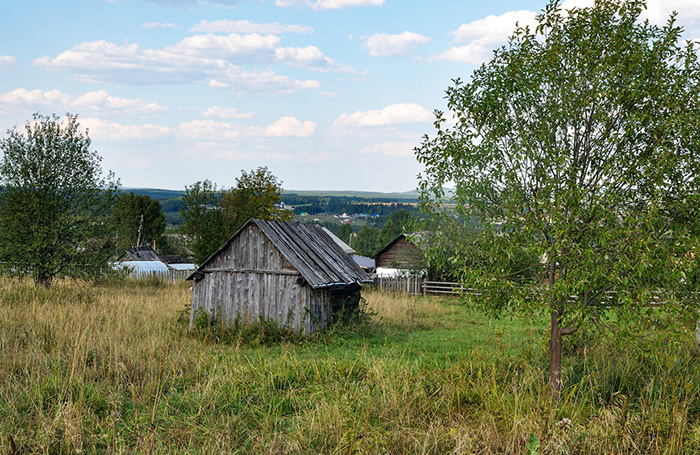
{"points": [[115, 369]]}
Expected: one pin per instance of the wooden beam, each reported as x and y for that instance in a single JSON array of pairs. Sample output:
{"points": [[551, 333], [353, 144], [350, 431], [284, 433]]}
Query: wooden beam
{"points": [[267, 272]]}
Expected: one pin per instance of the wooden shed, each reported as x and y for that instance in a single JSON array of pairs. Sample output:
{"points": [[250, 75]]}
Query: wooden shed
{"points": [[293, 273], [401, 253]]}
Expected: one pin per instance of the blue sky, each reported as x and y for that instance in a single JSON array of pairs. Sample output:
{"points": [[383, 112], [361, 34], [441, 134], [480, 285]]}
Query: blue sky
{"points": [[328, 94]]}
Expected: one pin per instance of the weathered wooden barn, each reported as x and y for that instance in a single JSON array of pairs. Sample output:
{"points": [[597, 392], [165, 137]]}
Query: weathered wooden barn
{"points": [[293, 273], [402, 253]]}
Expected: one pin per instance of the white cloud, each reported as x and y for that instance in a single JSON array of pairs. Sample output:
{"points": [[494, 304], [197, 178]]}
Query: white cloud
{"points": [[493, 29], [381, 45], [111, 131], [210, 129], [394, 149], [226, 112], [390, 115], [101, 101], [158, 25], [97, 101], [484, 35], [213, 149], [252, 48], [102, 61], [185, 3], [7, 62], [290, 127], [328, 4], [309, 56], [229, 26], [208, 150], [261, 81], [657, 11], [481, 37], [31, 100], [194, 59], [339, 4]]}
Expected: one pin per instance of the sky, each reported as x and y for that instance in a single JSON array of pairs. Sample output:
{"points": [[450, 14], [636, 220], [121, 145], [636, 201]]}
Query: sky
{"points": [[327, 94]]}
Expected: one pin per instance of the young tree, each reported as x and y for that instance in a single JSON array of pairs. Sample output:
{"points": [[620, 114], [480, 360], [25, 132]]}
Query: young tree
{"points": [[203, 223], [367, 242], [399, 222], [254, 196], [211, 216], [575, 144], [54, 202], [345, 232], [137, 218]]}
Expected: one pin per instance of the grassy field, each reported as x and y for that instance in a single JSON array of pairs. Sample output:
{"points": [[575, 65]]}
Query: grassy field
{"points": [[114, 369]]}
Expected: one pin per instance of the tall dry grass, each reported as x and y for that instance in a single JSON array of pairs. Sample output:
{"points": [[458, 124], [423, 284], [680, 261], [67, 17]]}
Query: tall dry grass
{"points": [[406, 310], [113, 369]]}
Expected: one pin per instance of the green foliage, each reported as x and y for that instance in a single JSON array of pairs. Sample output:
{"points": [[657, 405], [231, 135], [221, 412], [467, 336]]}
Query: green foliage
{"points": [[367, 242], [127, 219], [344, 233], [533, 445], [264, 332], [203, 223], [54, 203], [574, 145], [211, 216], [399, 222], [254, 196]]}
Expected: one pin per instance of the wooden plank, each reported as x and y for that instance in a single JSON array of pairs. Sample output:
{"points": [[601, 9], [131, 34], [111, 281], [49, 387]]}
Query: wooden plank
{"points": [[251, 270]]}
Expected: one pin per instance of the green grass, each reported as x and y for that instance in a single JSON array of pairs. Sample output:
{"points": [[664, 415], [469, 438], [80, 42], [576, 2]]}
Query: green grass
{"points": [[114, 369]]}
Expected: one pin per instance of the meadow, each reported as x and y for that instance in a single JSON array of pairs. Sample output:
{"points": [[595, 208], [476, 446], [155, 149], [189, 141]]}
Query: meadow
{"points": [[114, 369]]}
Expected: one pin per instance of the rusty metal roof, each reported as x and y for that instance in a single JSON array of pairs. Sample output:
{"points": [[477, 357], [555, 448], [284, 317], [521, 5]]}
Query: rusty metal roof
{"points": [[317, 257]]}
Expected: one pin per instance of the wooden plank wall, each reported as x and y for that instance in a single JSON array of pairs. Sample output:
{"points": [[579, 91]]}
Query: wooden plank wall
{"points": [[250, 279], [401, 255]]}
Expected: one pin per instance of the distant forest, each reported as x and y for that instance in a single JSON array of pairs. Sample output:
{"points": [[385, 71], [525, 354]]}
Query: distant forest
{"points": [[335, 203]]}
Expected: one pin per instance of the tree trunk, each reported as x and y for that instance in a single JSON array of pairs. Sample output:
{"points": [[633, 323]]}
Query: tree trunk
{"points": [[555, 336]]}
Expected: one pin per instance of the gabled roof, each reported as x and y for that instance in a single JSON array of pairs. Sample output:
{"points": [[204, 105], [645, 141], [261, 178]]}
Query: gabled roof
{"points": [[310, 250], [142, 253], [414, 238]]}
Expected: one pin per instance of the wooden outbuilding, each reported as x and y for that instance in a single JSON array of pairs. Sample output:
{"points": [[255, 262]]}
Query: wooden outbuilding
{"points": [[294, 273], [401, 253]]}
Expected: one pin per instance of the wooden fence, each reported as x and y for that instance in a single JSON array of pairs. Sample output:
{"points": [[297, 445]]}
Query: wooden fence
{"points": [[444, 287], [170, 276], [416, 285], [412, 285]]}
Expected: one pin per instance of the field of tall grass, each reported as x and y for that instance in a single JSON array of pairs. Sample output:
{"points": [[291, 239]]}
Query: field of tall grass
{"points": [[114, 369]]}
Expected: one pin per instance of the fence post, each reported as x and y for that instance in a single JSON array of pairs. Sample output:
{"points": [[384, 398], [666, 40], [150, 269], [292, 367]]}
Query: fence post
{"points": [[425, 287]]}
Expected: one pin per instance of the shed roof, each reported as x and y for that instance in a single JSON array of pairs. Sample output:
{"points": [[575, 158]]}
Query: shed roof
{"points": [[142, 253], [362, 261], [310, 250]]}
